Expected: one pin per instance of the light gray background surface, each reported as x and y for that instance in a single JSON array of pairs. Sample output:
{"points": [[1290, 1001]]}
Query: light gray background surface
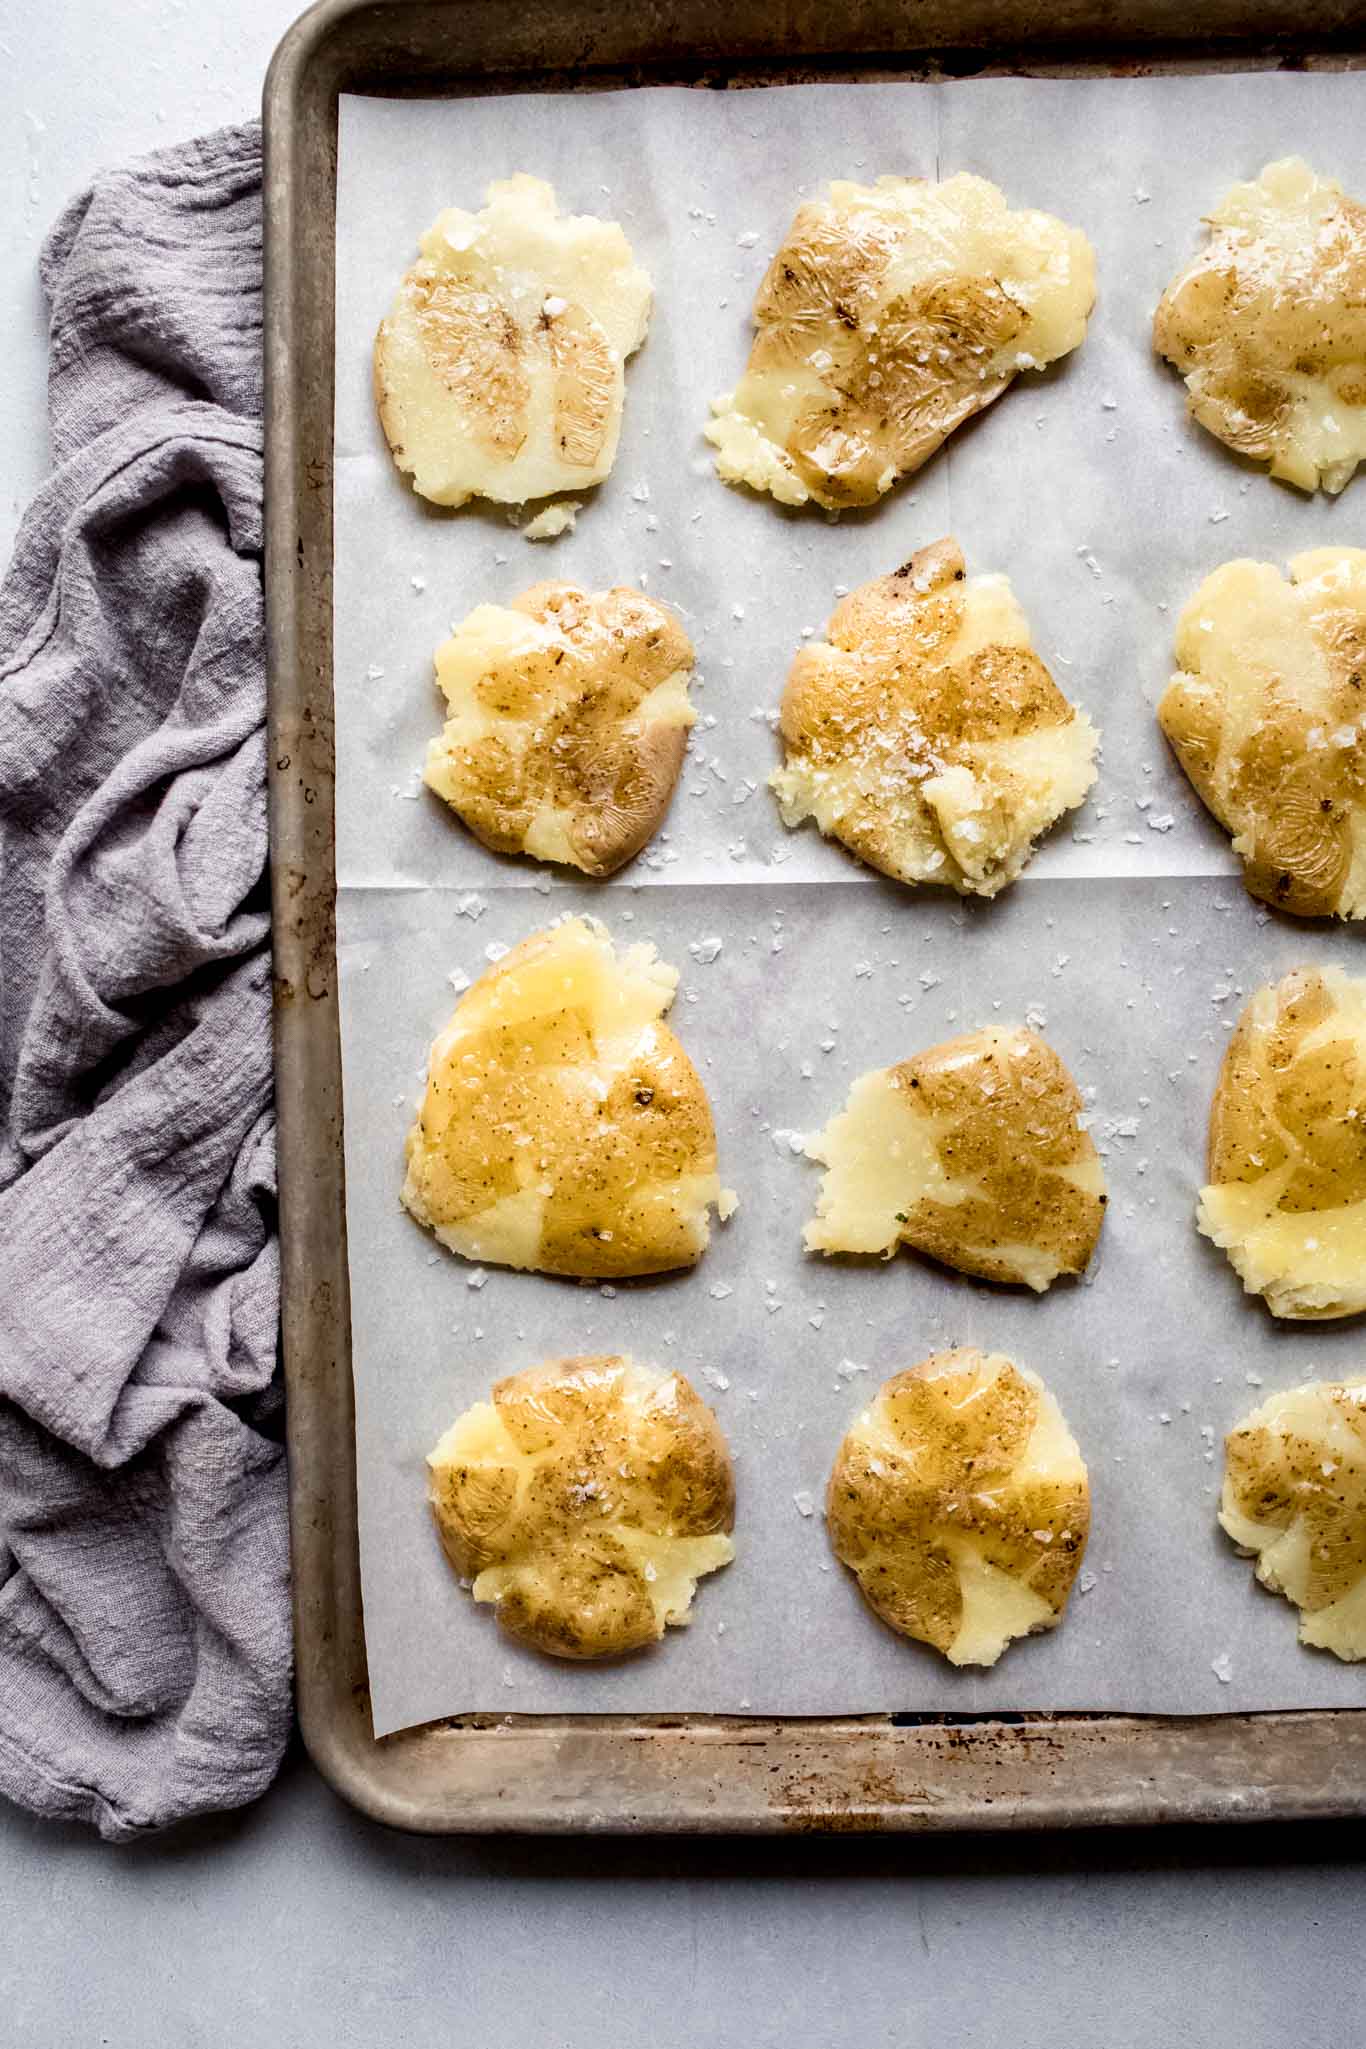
{"points": [[298, 1924]]}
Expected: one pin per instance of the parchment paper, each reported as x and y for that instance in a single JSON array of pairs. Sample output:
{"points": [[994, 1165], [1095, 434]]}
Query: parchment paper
{"points": [[1130, 941]]}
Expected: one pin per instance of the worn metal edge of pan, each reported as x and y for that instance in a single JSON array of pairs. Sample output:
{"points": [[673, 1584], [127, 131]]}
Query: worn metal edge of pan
{"points": [[613, 1773]]}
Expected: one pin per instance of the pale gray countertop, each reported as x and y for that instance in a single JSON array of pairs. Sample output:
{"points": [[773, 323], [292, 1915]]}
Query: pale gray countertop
{"points": [[298, 1924]]}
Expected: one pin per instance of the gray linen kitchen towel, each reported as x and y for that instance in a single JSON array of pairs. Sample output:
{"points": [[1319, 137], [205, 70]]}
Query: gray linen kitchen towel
{"points": [[144, 1624]]}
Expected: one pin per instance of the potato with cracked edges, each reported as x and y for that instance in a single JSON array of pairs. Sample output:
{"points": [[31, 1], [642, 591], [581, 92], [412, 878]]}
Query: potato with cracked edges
{"points": [[585, 1501], [972, 1152], [563, 1127], [961, 1503], [891, 313], [1294, 1497], [925, 733], [566, 719], [1267, 325], [1266, 715], [499, 369], [1285, 1196]]}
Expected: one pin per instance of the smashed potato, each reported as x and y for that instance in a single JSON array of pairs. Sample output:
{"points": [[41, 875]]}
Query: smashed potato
{"points": [[1268, 326], [563, 1128], [1266, 714], [498, 372], [1286, 1197], [1295, 1495], [972, 1152], [585, 1501], [892, 313], [926, 734], [567, 716], [960, 1501]]}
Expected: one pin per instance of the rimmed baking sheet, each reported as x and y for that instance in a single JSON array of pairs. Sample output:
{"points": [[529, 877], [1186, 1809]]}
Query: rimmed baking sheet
{"points": [[1130, 936]]}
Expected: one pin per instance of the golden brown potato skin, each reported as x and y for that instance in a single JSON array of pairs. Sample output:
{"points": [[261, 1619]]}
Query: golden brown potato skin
{"points": [[1264, 714], [585, 1455], [1268, 326], [1009, 1125], [1295, 1494], [940, 1462], [905, 749], [567, 729], [891, 314], [498, 370], [555, 1137], [970, 1152], [1287, 1146]]}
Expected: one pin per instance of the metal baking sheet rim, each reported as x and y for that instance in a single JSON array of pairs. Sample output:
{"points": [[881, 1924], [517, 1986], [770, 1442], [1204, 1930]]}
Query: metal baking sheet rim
{"points": [[601, 1773]]}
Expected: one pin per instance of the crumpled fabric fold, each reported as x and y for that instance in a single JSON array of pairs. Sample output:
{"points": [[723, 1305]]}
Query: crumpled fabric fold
{"points": [[144, 1601]]}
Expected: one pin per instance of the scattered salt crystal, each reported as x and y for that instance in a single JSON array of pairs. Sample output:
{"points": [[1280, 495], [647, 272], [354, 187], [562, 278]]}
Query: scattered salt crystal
{"points": [[470, 906], [804, 1501], [1222, 1668], [458, 980], [419, 583], [553, 520], [747, 240], [476, 1279], [930, 980], [862, 968], [496, 951], [374, 672], [719, 1291], [705, 950], [715, 1378], [1086, 1582], [785, 1141]]}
